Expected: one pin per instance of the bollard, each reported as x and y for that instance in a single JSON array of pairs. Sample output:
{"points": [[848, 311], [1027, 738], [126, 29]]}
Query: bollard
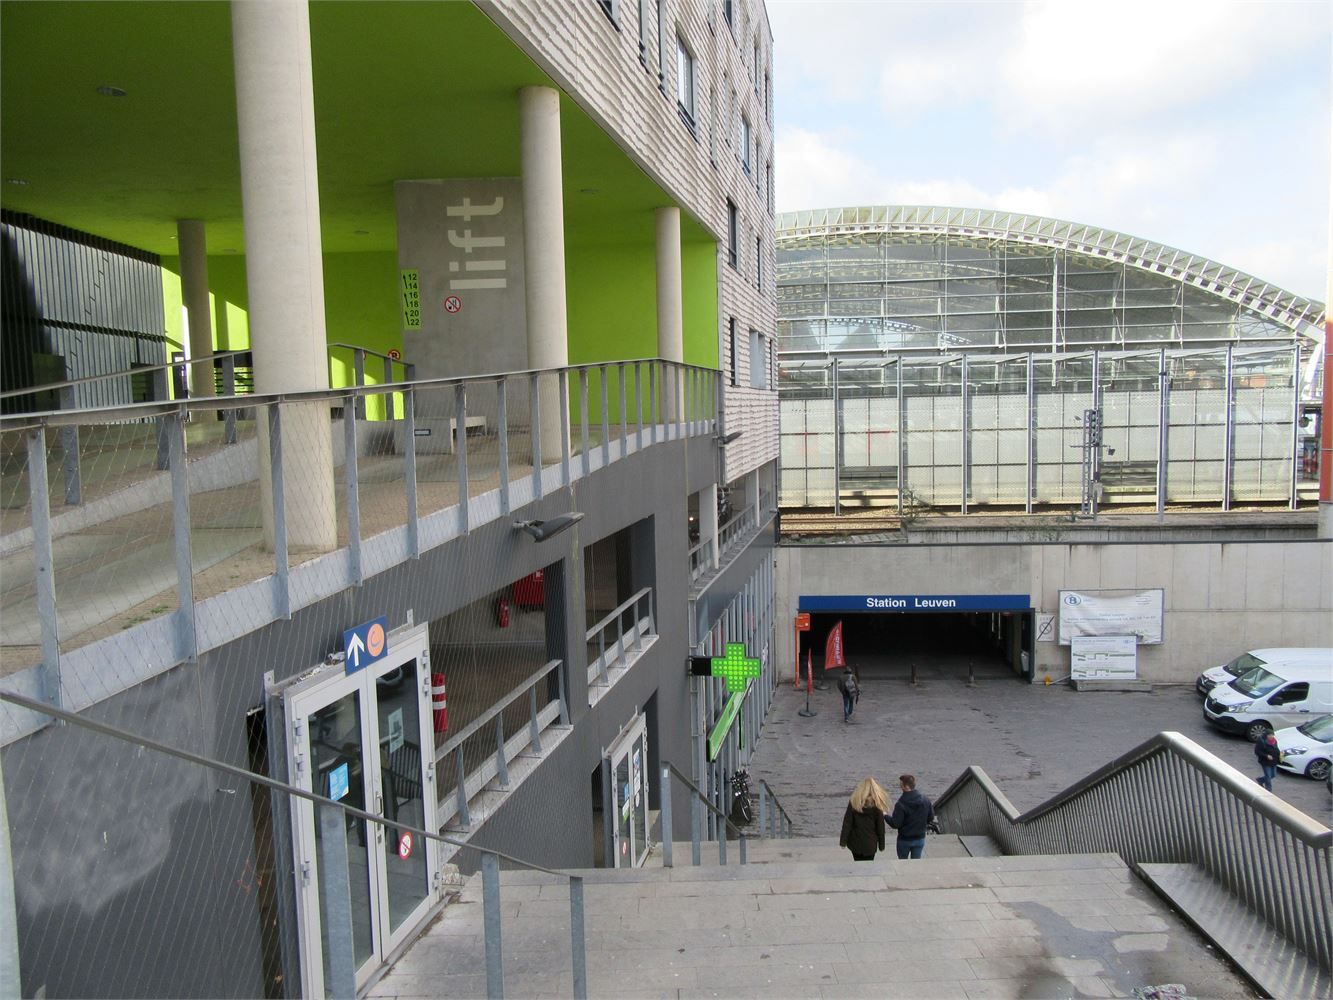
{"points": [[971, 673], [914, 680]]}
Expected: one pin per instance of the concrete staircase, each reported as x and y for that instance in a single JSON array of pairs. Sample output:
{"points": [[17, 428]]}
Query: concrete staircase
{"points": [[803, 920]]}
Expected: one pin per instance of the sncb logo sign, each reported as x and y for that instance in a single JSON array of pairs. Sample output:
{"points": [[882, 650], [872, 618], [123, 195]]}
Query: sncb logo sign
{"points": [[1073, 600]]}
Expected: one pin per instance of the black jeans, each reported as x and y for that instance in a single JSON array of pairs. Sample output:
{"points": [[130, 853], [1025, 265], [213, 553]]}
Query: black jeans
{"points": [[862, 857]]}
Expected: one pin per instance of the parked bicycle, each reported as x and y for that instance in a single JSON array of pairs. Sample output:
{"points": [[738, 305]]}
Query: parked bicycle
{"points": [[742, 812]]}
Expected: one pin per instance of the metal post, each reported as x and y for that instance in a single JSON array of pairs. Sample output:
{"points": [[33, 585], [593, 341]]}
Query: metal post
{"points": [[696, 823], [667, 836], [281, 582], [560, 685], [534, 732], [410, 472], [353, 491], [606, 419], [161, 393], [388, 396], [837, 445], [578, 950], [722, 843], [186, 646], [624, 412], [902, 437], [763, 808], [1101, 431], [229, 389], [1163, 417], [44, 565], [460, 425], [562, 377], [69, 448], [1032, 439], [652, 400], [965, 429], [915, 682], [501, 765], [336, 904], [535, 432], [464, 815], [743, 839], [9, 932], [502, 403], [490, 901], [1296, 419], [359, 380], [1228, 443], [638, 406], [583, 420]]}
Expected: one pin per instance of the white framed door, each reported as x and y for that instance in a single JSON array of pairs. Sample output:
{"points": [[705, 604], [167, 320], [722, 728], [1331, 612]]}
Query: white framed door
{"points": [[364, 739], [627, 761]]}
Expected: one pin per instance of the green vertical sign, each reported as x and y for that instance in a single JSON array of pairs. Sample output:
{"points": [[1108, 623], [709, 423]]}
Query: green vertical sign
{"points": [[409, 284]]}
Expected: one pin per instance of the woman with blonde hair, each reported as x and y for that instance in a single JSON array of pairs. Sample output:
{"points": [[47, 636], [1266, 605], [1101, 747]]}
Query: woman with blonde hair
{"points": [[863, 822]]}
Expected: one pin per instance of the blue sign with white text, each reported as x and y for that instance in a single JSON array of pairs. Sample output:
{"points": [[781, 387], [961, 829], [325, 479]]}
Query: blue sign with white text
{"points": [[365, 644], [917, 602], [339, 782]]}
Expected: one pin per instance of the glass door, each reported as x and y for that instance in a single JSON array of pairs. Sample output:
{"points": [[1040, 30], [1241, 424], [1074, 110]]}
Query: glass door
{"points": [[365, 740], [628, 763]]}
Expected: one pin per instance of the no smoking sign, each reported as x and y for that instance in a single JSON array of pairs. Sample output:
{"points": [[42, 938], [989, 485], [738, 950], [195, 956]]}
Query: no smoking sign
{"points": [[453, 304]]}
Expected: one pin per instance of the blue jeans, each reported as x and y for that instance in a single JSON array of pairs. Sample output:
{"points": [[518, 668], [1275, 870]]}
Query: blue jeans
{"points": [[910, 848], [847, 704], [1266, 779]]}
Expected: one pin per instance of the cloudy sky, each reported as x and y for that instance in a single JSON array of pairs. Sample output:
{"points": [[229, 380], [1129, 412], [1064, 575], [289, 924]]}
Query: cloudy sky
{"points": [[1202, 125]]}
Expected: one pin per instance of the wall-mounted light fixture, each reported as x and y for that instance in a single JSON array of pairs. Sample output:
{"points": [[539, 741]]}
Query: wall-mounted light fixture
{"points": [[728, 438], [542, 530]]}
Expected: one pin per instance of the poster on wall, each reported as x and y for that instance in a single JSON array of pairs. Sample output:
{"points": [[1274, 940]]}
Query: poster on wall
{"points": [[1103, 657], [1136, 613]]}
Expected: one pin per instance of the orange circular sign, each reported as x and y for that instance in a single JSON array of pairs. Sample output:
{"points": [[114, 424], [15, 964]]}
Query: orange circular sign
{"points": [[375, 639]]}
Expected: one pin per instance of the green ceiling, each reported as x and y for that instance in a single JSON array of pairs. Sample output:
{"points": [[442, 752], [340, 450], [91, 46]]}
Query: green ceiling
{"points": [[402, 90]]}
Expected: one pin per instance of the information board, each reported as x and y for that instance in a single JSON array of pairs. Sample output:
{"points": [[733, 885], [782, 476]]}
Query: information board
{"points": [[1108, 657], [1112, 612]]}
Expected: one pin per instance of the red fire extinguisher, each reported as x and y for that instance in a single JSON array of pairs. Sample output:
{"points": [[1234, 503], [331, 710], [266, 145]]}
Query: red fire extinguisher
{"points": [[502, 612], [439, 705]]}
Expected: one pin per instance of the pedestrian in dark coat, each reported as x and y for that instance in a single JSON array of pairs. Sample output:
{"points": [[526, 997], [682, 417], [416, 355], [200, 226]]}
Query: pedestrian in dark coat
{"points": [[863, 822], [1265, 748], [912, 813]]}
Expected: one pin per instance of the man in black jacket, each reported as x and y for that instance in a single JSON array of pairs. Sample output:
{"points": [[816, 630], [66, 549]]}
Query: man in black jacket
{"points": [[1265, 748], [911, 814]]}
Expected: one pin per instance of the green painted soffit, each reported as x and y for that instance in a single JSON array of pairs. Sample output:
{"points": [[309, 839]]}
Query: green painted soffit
{"points": [[402, 90]]}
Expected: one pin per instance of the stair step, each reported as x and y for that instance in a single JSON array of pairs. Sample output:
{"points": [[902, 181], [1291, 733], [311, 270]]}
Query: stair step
{"points": [[941, 926], [981, 847], [1270, 960]]}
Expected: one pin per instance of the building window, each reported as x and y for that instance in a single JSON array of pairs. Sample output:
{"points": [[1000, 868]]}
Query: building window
{"points": [[661, 46], [758, 360], [685, 80], [731, 338], [768, 99], [744, 150], [712, 131], [728, 13], [643, 32], [757, 67], [733, 224], [759, 262], [609, 9], [768, 186]]}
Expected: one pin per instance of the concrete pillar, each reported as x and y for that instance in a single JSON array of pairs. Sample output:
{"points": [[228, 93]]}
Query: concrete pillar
{"points": [[670, 309], [708, 520], [275, 114], [193, 244], [544, 251]]}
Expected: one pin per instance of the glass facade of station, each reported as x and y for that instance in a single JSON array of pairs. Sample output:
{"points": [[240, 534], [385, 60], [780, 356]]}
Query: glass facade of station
{"points": [[954, 369]]}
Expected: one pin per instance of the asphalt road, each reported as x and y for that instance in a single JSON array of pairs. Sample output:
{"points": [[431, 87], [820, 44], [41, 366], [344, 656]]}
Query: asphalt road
{"points": [[1033, 740]]}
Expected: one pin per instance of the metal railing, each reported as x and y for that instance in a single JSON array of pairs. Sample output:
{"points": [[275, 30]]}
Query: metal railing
{"points": [[390, 364], [343, 974], [775, 822], [1170, 801], [626, 644], [493, 764], [391, 500], [698, 804], [734, 530], [701, 559]]}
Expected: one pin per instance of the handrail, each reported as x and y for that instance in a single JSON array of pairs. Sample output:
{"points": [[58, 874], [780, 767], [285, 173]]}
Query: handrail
{"points": [[474, 727], [490, 857], [128, 372], [367, 350], [782, 820], [620, 609], [1187, 807], [668, 770], [136, 411], [600, 668]]}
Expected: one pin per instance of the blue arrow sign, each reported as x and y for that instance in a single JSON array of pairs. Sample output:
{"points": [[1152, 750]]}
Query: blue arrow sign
{"points": [[365, 644]]}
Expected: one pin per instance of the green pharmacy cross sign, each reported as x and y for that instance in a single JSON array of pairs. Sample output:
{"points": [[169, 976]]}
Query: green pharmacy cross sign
{"points": [[735, 667]]}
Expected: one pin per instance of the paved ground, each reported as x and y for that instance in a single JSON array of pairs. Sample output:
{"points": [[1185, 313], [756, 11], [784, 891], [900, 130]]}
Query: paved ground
{"points": [[1033, 741]]}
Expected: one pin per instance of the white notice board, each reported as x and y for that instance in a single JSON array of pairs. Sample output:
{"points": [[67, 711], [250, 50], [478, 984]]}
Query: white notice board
{"points": [[1113, 657], [1112, 612]]}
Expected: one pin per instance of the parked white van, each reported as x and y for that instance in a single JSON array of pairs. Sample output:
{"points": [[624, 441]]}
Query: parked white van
{"points": [[1294, 656], [1271, 697]]}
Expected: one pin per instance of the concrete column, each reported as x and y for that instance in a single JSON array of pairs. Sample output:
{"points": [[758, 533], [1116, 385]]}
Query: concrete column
{"points": [[190, 238], [544, 251], [708, 520], [275, 114], [670, 309]]}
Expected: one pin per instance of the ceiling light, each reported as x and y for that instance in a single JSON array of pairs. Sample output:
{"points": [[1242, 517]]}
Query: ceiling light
{"points": [[106, 90]]}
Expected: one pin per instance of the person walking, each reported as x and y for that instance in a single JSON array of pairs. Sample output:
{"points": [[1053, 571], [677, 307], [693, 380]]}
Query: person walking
{"points": [[912, 813], [863, 822], [1265, 748], [851, 692]]}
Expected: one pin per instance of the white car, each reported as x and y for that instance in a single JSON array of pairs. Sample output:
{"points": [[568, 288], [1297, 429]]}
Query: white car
{"points": [[1307, 749]]}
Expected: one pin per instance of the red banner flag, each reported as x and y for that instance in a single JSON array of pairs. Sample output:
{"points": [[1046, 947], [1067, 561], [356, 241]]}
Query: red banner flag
{"points": [[833, 651], [809, 671]]}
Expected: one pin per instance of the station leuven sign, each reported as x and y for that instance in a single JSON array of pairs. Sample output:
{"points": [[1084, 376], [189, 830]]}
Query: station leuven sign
{"points": [[917, 602]]}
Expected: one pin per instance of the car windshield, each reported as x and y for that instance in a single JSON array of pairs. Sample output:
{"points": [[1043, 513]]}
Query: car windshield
{"points": [[1257, 683], [1243, 664], [1320, 729]]}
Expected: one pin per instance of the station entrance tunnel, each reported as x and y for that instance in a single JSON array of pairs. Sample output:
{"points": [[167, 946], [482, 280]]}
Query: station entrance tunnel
{"points": [[943, 645]]}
